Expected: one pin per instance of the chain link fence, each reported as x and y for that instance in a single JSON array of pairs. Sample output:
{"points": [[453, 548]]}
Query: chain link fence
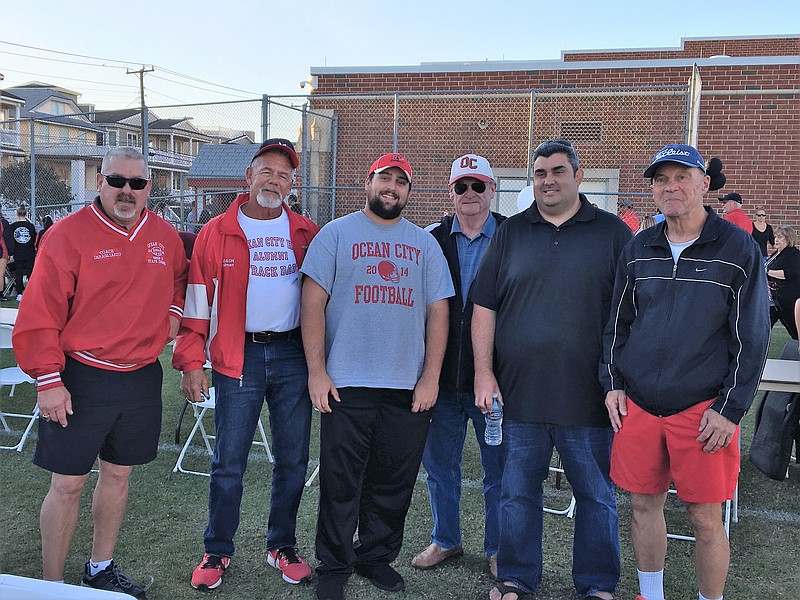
{"points": [[614, 130], [197, 170]]}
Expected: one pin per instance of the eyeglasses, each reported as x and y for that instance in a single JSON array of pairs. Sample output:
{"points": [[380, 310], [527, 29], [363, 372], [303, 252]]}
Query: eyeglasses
{"points": [[761, 214], [459, 187], [117, 181]]}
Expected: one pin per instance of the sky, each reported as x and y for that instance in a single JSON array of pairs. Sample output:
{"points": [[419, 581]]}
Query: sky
{"points": [[205, 51]]}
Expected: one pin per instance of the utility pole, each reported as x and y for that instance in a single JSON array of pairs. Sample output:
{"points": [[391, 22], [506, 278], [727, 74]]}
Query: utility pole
{"points": [[140, 73]]}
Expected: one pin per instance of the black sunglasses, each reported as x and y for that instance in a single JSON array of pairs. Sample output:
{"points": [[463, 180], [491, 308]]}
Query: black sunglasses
{"points": [[459, 187], [761, 214], [117, 181]]}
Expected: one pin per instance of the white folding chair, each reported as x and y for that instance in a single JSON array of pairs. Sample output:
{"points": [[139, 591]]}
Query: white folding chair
{"points": [[569, 511], [13, 376], [200, 409], [731, 507], [313, 476]]}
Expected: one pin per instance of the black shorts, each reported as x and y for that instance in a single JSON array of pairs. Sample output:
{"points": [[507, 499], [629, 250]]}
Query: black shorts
{"points": [[116, 416]]}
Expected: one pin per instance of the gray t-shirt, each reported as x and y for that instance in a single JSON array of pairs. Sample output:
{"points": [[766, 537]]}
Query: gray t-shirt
{"points": [[380, 279]]}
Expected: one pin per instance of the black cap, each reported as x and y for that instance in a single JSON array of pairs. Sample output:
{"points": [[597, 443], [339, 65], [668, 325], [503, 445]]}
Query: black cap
{"points": [[732, 196], [281, 145]]}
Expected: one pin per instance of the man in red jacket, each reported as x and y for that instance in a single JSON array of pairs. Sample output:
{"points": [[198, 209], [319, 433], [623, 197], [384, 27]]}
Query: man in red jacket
{"points": [[243, 309], [732, 207], [106, 294]]}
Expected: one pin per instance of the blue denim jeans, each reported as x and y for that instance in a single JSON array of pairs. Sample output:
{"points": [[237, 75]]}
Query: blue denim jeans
{"points": [[442, 460], [585, 455], [275, 372]]}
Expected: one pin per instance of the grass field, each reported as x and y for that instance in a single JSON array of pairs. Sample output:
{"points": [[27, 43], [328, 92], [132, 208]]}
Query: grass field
{"points": [[162, 532]]}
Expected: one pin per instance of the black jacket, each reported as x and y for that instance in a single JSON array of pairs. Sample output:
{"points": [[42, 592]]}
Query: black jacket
{"points": [[683, 333], [458, 369]]}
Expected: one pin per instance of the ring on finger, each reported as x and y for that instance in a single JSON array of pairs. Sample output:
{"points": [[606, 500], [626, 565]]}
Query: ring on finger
{"points": [[46, 418]]}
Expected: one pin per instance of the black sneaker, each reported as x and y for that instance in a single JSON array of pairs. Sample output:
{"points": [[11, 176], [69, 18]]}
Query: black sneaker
{"points": [[382, 577], [112, 579], [329, 587]]}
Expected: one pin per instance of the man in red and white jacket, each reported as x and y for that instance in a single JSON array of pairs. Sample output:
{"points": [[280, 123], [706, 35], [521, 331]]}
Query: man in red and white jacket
{"points": [[106, 294], [243, 313]]}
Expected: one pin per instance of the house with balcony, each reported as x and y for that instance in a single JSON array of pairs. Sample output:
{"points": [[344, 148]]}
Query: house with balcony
{"points": [[172, 143], [10, 144], [55, 129]]}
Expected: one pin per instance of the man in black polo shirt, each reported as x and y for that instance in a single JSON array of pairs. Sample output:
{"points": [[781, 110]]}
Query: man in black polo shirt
{"points": [[542, 296]]}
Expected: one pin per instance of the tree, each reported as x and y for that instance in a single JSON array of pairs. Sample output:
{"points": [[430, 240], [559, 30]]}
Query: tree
{"points": [[15, 185]]}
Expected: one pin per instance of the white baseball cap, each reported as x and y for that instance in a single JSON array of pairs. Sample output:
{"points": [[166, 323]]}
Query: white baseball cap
{"points": [[471, 165]]}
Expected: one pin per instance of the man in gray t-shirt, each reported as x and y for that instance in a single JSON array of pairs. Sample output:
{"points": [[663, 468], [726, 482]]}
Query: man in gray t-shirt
{"points": [[374, 320]]}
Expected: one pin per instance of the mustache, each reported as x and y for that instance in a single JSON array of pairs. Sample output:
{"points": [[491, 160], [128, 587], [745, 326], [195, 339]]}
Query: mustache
{"points": [[123, 197]]}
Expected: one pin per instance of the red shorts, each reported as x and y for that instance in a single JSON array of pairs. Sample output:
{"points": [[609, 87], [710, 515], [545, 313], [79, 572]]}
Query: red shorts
{"points": [[648, 452]]}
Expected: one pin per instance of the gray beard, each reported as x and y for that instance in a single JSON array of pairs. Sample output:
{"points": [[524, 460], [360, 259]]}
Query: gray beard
{"points": [[265, 202]]}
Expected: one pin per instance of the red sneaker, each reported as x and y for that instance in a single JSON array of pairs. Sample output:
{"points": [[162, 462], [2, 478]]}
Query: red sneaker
{"points": [[208, 574], [289, 562]]}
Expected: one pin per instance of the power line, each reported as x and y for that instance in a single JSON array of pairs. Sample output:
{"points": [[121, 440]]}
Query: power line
{"points": [[207, 82], [201, 88], [60, 60], [175, 73], [69, 78], [67, 53]]}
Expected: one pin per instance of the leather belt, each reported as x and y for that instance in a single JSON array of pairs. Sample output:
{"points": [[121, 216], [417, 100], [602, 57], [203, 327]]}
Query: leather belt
{"points": [[268, 337]]}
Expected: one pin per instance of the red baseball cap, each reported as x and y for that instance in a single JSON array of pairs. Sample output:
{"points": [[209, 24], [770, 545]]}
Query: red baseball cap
{"points": [[391, 160], [281, 145]]}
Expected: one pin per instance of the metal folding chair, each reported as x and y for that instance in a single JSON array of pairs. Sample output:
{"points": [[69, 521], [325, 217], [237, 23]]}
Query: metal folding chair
{"points": [[569, 511], [13, 376], [199, 410]]}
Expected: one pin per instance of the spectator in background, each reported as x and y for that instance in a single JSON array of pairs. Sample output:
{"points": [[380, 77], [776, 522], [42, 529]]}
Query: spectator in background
{"points": [[21, 242], [3, 258], [47, 223], [628, 216], [732, 207], [191, 220], [762, 231], [783, 277], [648, 221], [205, 217]]}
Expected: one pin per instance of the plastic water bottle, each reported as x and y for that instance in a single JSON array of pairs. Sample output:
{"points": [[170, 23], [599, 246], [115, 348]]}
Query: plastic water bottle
{"points": [[494, 423]]}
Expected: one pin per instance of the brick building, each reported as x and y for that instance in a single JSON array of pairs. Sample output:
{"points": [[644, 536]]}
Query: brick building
{"points": [[617, 106]]}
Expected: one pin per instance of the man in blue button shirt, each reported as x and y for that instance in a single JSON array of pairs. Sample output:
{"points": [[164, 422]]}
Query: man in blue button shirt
{"points": [[463, 237]]}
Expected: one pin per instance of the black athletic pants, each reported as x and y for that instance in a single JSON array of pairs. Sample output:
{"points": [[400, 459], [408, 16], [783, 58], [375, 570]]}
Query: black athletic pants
{"points": [[370, 451]]}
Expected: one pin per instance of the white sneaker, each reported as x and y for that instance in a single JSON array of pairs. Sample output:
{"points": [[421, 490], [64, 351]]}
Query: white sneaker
{"points": [[19, 297]]}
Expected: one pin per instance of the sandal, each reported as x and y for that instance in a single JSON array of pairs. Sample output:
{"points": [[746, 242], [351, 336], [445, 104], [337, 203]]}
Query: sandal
{"points": [[504, 589]]}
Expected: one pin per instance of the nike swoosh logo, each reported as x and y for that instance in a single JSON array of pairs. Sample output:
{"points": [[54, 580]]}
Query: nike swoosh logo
{"points": [[700, 270]]}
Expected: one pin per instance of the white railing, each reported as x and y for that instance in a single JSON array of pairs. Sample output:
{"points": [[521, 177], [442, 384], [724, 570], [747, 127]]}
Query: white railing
{"points": [[9, 137]]}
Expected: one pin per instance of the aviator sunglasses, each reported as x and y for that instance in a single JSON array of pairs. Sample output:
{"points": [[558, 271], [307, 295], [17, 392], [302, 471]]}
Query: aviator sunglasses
{"points": [[477, 186], [117, 181]]}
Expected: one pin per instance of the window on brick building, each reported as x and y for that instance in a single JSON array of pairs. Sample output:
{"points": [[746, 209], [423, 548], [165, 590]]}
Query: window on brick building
{"points": [[582, 131]]}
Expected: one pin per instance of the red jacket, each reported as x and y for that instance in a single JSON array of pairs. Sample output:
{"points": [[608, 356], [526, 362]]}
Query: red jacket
{"points": [[101, 294], [214, 317], [738, 217]]}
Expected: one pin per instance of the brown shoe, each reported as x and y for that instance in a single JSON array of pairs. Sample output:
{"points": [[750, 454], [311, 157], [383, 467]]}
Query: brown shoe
{"points": [[434, 555], [493, 565]]}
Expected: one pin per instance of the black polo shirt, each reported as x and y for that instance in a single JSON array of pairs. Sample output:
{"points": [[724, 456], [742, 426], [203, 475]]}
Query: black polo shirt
{"points": [[551, 289]]}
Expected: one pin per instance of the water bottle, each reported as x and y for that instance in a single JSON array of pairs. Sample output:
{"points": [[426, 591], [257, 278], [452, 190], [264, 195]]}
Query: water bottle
{"points": [[494, 423]]}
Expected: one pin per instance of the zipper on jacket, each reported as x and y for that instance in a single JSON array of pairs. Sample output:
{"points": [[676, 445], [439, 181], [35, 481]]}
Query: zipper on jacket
{"points": [[460, 349], [666, 321]]}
